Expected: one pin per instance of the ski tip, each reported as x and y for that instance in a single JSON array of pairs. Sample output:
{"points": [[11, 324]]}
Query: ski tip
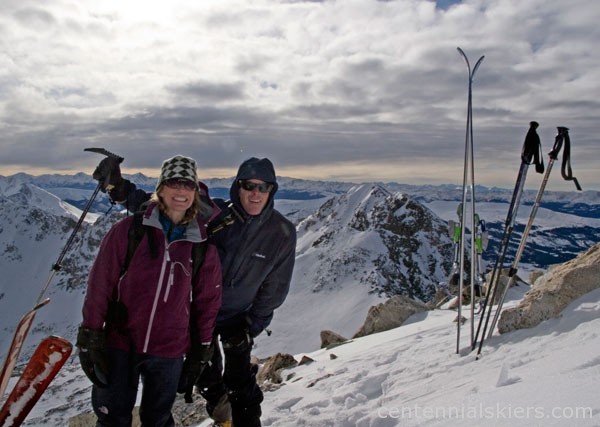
{"points": [[41, 304]]}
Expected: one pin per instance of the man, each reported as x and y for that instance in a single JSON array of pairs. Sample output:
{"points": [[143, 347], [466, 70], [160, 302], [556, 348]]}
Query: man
{"points": [[256, 246]]}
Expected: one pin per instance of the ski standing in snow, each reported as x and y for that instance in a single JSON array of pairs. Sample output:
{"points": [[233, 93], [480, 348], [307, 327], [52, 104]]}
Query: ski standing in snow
{"points": [[141, 319], [257, 250], [467, 186]]}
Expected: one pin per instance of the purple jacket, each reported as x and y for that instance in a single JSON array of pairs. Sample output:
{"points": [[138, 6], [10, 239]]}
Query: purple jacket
{"points": [[157, 291]]}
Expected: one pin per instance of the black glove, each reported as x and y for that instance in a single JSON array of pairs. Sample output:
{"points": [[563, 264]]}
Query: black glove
{"points": [[108, 173], [195, 362], [237, 341], [92, 355]]}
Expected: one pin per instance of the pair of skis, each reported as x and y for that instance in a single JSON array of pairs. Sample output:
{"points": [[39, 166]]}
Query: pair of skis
{"points": [[468, 186], [530, 153], [26, 321]]}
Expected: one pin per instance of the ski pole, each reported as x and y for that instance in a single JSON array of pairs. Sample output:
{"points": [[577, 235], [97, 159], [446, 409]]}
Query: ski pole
{"points": [[468, 161], [529, 153], [58, 264], [563, 135]]}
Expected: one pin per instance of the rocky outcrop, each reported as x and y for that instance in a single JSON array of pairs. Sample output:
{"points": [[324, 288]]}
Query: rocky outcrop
{"points": [[389, 315], [272, 368], [184, 414], [331, 339], [552, 292]]}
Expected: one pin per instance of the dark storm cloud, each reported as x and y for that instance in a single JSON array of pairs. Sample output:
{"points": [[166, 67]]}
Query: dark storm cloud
{"points": [[208, 92]]}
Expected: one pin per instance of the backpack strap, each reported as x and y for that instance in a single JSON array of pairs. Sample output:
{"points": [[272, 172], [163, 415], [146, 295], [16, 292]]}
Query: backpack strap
{"points": [[135, 234], [228, 216], [198, 255]]}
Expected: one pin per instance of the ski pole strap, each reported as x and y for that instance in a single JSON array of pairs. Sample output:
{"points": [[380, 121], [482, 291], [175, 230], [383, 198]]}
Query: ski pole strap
{"points": [[566, 172], [532, 148]]}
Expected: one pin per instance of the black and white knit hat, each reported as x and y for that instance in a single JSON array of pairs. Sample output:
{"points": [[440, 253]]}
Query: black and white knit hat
{"points": [[180, 167]]}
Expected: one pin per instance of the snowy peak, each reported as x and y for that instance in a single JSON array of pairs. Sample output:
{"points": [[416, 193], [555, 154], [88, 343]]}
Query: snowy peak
{"points": [[386, 242], [34, 228], [18, 190]]}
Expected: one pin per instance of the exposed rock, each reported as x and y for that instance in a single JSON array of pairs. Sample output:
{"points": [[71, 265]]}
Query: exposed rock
{"points": [[554, 291], [306, 360], [534, 275], [440, 297], [86, 420], [503, 280], [184, 414], [331, 339], [389, 315], [271, 370]]}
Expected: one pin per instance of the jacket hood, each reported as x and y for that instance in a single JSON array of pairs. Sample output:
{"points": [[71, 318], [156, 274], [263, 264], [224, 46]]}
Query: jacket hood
{"points": [[254, 168]]}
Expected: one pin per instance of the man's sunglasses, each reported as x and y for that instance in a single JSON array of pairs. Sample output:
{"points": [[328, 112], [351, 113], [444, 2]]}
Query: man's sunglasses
{"points": [[264, 187], [178, 183]]}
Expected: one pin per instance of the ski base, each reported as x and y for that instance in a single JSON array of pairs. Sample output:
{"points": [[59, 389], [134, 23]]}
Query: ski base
{"points": [[17, 344], [48, 358]]}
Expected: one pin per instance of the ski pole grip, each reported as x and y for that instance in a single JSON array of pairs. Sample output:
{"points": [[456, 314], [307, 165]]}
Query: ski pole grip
{"points": [[566, 171], [532, 148]]}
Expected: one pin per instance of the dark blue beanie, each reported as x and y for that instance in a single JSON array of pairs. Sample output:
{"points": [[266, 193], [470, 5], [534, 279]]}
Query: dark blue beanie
{"points": [[255, 168]]}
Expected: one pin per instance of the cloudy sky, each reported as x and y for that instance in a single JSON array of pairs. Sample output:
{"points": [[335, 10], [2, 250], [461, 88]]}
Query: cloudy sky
{"points": [[354, 90]]}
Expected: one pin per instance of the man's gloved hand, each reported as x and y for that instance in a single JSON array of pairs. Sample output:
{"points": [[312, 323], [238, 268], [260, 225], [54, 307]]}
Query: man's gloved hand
{"points": [[108, 173], [238, 342], [93, 355], [195, 362]]}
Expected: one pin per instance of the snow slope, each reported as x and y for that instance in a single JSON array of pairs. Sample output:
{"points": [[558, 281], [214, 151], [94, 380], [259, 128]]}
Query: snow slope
{"points": [[411, 376]]}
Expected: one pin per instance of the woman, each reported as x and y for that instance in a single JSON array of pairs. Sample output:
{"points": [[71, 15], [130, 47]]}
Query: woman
{"points": [[140, 323]]}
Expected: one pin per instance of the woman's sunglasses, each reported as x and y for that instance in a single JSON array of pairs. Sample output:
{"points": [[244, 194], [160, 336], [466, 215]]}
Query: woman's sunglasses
{"points": [[179, 183], [264, 187]]}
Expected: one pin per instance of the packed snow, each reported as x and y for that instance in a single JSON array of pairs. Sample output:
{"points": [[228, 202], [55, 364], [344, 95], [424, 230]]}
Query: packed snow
{"points": [[412, 376]]}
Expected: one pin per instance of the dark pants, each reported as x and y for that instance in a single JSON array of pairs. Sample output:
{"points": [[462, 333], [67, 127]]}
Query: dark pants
{"points": [[113, 405], [238, 380]]}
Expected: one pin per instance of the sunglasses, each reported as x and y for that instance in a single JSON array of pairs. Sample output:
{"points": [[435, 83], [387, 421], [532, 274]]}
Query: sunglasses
{"points": [[264, 187], [179, 183]]}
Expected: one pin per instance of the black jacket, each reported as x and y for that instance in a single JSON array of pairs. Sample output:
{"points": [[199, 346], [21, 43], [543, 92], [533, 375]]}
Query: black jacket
{"points": [[257, 260]]}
